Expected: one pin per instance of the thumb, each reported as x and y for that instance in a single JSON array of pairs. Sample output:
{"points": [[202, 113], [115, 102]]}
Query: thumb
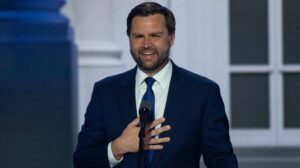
{"points": [[135, 122]]}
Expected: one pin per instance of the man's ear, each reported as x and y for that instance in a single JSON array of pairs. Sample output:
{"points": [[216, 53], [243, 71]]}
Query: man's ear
{"points": [[171, 38]]}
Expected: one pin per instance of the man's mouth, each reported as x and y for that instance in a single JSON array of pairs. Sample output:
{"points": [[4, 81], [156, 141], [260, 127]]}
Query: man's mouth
{"points": [[148, 53]]}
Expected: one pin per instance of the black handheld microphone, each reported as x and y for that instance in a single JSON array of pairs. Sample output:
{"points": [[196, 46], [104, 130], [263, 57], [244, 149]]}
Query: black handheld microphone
{"points": [[144, 113]]}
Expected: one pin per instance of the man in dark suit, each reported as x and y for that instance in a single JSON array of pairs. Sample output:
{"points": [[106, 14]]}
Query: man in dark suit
{"points": [[187, 109]]}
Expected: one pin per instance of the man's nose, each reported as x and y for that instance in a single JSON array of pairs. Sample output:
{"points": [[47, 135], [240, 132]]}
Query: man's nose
{"points": [[147, 42]]}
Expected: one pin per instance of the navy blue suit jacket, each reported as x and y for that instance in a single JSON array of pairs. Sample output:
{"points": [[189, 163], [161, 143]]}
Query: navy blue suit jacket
{"points": [[194, 110]]}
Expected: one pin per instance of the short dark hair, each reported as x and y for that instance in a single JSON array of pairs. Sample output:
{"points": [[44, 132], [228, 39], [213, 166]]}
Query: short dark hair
{"points": [[151, 8]]}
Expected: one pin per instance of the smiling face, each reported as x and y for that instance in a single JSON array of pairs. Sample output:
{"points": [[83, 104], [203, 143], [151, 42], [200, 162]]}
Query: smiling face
{"points": [[150, 42]]}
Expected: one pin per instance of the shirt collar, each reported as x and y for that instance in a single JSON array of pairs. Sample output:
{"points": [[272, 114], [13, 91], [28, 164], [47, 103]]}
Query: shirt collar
{"points": [[162, 77]]}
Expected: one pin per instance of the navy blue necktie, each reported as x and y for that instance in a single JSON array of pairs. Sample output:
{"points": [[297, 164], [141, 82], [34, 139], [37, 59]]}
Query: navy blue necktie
{"points": [[149, 97]]}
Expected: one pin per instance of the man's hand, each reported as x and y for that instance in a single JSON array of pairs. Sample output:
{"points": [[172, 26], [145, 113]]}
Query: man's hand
{"points": [[129, 139], [152, 143]]}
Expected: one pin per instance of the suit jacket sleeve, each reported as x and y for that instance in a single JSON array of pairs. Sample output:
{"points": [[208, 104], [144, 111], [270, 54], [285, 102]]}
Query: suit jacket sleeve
{"points": [[216, 145], [91, 150]]}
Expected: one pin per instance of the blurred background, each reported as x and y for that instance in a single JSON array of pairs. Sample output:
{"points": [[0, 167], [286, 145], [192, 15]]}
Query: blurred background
{"points": [[53, 51]]}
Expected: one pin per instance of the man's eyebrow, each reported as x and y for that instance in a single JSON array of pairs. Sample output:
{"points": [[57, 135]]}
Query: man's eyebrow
{"points": [[137, 34], [157, 33]]}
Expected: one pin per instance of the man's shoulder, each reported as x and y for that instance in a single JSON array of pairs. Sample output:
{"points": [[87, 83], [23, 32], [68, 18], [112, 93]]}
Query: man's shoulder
{"points": [[190, 77], [118, 79]]}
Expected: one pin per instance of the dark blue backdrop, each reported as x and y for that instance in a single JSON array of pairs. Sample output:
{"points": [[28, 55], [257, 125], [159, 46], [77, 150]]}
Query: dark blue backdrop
{"points": [[37, 85]]}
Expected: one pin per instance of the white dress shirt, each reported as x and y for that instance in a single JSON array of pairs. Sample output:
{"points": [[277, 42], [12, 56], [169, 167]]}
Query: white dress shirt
{"points": [[160, 89]]}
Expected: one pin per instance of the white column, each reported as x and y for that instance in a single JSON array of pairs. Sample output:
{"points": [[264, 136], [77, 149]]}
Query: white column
{"points": [[100, 53]]}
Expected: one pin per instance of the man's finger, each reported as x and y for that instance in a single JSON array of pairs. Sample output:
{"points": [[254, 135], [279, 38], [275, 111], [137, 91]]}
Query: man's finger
{"points": [[160, 130], [157, 131], [157, 141], [154, 147], [156, 122]]}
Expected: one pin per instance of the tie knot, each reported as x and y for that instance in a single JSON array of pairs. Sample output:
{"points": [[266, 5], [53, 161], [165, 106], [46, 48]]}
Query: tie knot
{"points": [[149, 81]]}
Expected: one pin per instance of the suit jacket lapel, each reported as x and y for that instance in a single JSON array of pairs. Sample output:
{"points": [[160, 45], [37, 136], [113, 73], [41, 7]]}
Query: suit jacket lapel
{"points": [[127, 110], [176, 101], [126, 98]]}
